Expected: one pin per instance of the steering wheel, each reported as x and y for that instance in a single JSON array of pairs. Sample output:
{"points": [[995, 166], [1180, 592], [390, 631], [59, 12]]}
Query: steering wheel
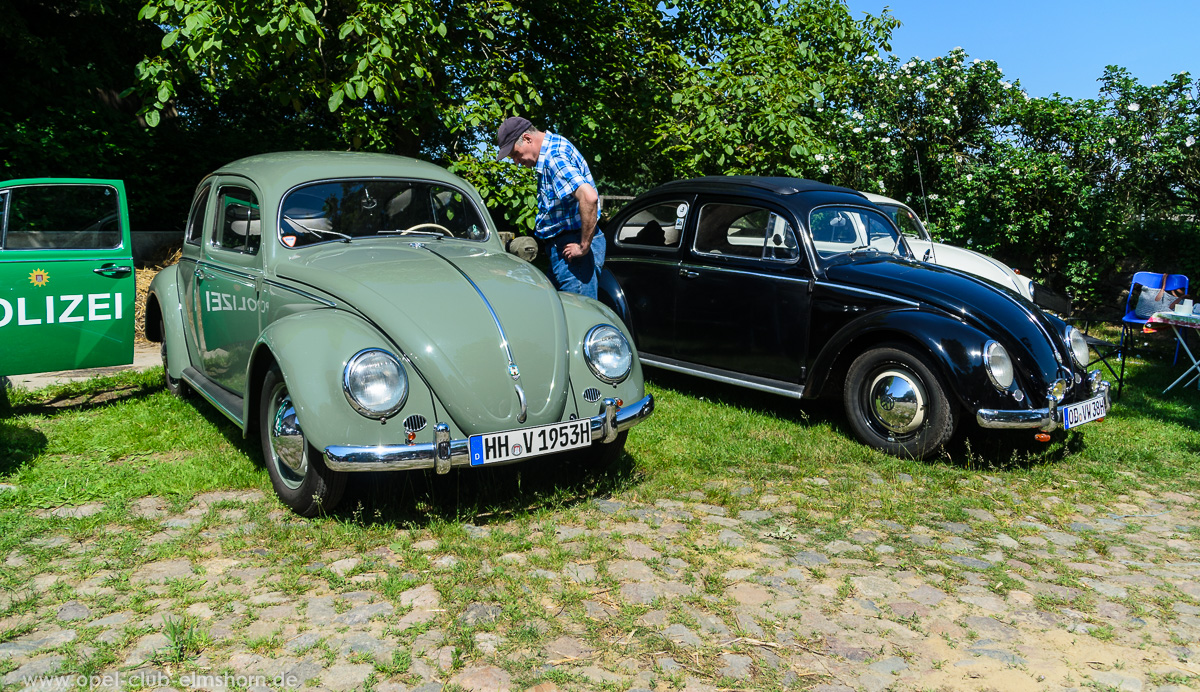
{"points": [[435, 226]]}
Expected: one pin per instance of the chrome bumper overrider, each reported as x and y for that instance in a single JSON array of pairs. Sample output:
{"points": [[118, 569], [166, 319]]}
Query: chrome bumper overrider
{"points": [[1044, 419], [444, 453]]}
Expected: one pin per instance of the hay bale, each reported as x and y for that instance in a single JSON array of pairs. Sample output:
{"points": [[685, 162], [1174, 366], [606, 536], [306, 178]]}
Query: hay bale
{"points": [[144, 275]]}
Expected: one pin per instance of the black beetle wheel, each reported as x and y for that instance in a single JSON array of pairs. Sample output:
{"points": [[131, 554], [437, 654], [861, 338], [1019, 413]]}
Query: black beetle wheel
{"points": [[896, 403]]}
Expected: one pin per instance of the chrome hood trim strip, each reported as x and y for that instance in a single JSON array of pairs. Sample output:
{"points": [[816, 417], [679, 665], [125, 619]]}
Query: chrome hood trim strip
{"points": [[513, 370]]}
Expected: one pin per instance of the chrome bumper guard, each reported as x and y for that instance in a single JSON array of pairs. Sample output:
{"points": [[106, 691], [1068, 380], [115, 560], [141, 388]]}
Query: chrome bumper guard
{"points": [[1044, 419], [445, 453]]}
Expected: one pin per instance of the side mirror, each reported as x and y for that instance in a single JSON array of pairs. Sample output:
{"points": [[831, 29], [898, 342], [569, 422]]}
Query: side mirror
{"points": [[928, 254]]}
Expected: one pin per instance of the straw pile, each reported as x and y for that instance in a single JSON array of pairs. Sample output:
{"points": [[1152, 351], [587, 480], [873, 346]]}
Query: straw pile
{"points": [[144, 276]]}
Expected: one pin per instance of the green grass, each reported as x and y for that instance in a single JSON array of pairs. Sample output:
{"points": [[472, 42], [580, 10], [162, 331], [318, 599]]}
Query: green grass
{"points": [[118, 440]]}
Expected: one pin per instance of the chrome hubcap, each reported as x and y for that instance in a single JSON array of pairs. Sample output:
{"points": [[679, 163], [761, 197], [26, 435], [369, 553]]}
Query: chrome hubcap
{"points": [[289, 450], [897, 401]]}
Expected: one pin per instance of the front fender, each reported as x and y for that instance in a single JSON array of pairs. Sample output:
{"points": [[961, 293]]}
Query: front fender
{"points": [[312, 349], [955, 348], [582, 314], [163, 300]]}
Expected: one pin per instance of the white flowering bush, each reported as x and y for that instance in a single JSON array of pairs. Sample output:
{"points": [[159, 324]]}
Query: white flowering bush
{"points": [[1076, 193]]}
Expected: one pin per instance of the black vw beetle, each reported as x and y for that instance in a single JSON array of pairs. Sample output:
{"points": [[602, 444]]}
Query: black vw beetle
{"points": [[805, 289]]}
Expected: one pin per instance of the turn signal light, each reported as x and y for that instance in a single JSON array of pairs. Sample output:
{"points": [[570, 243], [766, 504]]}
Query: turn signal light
{"points": [[1042, 437], [411, 436], [620, 403]]}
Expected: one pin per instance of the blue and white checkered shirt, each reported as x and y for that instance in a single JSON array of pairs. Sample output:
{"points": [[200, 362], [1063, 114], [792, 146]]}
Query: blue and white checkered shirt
{"points": [[561, 169]]}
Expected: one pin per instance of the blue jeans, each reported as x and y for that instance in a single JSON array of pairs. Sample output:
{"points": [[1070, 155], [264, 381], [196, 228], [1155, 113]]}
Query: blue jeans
{"points": [[583, 275]]}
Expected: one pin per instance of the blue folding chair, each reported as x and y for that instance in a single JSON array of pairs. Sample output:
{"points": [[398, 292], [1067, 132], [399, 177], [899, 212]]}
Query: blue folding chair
{"points": [[1131, 321]]}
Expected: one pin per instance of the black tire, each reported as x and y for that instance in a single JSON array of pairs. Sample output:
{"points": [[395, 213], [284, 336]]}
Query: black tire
{"points": [[177, 387], [600, 455], [297, 469], [896, 403]]}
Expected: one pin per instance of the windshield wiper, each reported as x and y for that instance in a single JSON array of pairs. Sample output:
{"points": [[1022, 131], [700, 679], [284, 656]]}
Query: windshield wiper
{"points": [[316, 231], [863, 248]]}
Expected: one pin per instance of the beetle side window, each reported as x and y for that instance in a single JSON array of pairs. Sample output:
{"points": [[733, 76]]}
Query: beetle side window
{"points": [[196, 218], [238, 226], [62, 217], [657, 226], [745, 231]]}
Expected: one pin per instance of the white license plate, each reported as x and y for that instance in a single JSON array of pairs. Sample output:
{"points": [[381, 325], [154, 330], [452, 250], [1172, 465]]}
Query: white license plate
{"points": [[1076, 415], [530, 442]]}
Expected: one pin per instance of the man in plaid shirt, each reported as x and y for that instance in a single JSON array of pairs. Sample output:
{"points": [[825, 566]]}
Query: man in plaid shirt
{"points": [[568, 206]]}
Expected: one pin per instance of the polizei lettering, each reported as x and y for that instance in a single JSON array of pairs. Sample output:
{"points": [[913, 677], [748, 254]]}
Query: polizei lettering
{"points": [[227, 302], [90, 307]]}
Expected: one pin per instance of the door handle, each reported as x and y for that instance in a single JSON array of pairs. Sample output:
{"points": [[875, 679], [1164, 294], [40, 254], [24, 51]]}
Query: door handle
{"points": [[688, 273], [113, 270], [199, 274]]}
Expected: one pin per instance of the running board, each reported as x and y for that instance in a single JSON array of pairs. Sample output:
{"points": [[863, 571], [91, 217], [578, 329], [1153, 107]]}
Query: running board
{"points": [[762, 384], [226, 401]]}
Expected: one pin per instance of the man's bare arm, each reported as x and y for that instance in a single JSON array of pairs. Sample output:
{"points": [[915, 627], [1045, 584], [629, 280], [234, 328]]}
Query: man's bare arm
{"points": [[588, 203]]}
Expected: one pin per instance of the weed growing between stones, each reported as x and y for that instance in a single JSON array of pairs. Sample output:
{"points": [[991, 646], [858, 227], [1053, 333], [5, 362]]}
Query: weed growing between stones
{"points": [[186, 638]]}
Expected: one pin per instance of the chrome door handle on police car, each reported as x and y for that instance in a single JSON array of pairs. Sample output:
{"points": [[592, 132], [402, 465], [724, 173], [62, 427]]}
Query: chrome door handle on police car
{"points": [[113, 270]]}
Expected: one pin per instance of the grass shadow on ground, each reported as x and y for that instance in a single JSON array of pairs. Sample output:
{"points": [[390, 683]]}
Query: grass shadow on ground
{"points": [[972, 447], [416, 499], [82, 396], [803, 412], [18, 445]]}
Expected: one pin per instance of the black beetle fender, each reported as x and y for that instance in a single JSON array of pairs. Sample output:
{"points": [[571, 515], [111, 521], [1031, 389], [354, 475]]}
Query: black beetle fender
{"points": [[611, 294], [954, 347]]}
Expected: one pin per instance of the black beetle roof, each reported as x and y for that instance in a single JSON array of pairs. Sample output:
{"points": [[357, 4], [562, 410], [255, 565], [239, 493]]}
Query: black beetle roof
{"points": [[730, 183]]}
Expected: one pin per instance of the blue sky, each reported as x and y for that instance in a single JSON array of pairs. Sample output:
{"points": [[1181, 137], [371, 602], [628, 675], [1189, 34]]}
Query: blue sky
{"points": [[1052, 45]]}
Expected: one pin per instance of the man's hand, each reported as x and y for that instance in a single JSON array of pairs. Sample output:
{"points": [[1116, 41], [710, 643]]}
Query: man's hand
{"points": [[573, 251]]}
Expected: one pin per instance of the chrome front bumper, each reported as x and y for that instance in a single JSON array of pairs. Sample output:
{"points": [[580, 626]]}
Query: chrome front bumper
{"points": [[1044, 419], [444, 453]]}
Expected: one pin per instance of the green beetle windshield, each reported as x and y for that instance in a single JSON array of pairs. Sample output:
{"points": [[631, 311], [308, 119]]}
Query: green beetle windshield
{"points": [[346, 209]]}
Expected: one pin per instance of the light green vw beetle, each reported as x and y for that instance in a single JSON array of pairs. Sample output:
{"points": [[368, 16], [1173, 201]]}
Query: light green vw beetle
{"points": [[359, 313]]}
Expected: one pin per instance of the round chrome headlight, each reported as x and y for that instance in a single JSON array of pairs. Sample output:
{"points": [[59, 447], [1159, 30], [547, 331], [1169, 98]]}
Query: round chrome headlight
{"points": [[998, 365], [607, 353], [1079, 347], [375, 383]]}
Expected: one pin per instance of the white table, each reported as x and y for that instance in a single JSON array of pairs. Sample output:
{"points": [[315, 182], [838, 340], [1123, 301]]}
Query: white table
{"points": [[1177, 322]]}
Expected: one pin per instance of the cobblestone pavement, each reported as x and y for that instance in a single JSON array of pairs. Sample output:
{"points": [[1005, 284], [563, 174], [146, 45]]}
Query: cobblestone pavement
{"points": [[659, 596]]}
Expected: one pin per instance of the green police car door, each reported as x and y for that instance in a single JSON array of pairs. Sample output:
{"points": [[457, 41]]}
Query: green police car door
{"points": [[66, 275]]}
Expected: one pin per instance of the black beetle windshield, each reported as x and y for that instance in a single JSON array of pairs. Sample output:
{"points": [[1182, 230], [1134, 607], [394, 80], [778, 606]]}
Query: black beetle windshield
{"points": [[346, 209], [852, 230]]}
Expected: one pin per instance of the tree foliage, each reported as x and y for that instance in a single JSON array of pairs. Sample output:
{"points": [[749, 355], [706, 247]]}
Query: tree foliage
{"points": [[751, 99], [1079, 193]]}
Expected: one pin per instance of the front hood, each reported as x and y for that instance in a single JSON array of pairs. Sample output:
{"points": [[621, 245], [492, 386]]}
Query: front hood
{"points": [[1030, 337], [421, 295]]}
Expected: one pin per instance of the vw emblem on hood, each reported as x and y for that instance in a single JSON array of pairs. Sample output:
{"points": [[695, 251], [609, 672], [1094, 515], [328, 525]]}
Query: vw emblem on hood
{"points": [[512, 370]]}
